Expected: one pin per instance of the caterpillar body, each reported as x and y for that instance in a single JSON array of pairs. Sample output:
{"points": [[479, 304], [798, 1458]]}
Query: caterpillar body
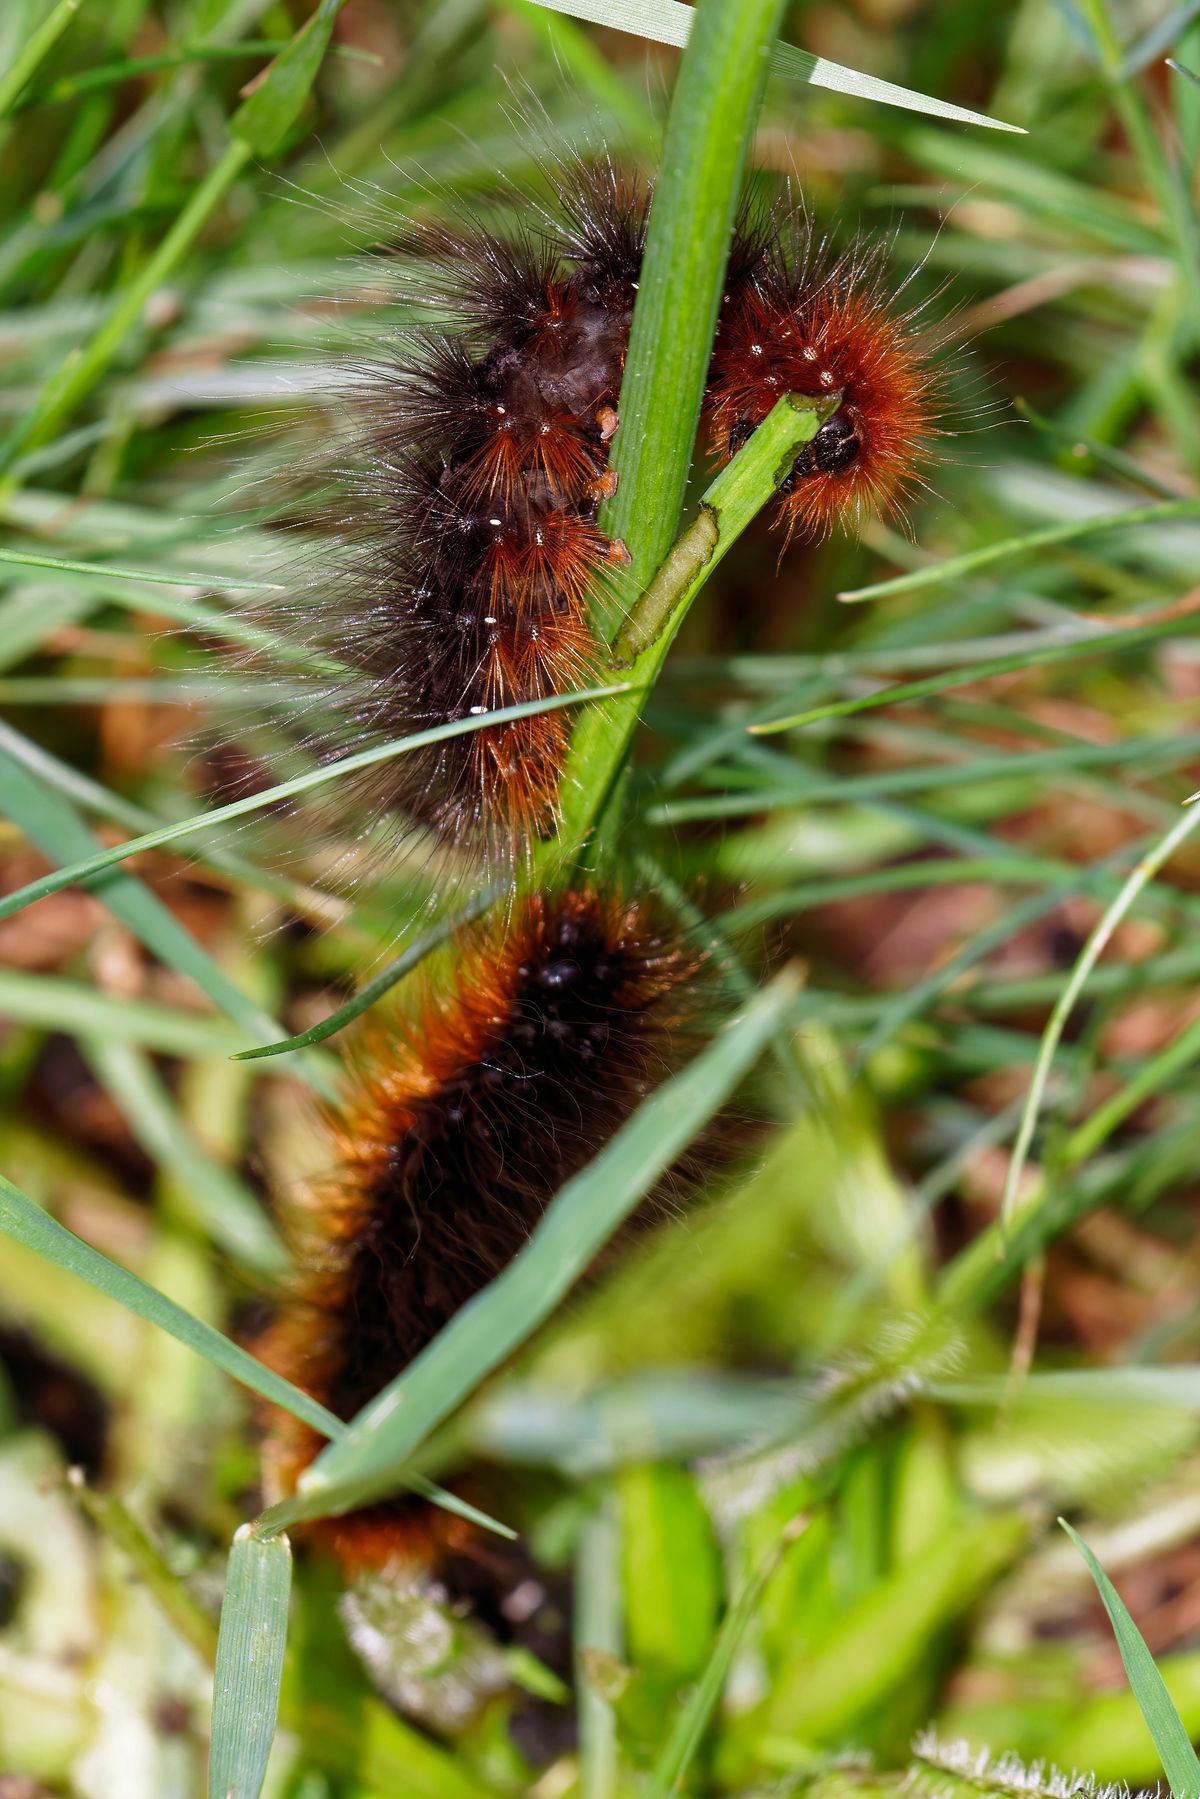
{"points": [[467, 541], [463, 1125]]}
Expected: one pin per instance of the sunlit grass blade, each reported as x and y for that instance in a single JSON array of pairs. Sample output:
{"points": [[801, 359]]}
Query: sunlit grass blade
{"points": [[250, 1651], [579, 1221], [36, 48], [670, 22], [1147, 867], [83, 871], [1179, 1760]]}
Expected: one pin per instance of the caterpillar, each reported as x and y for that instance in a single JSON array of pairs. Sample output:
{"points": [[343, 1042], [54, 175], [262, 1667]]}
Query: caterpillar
{"points": [[467, 546], [462, 1124], [466, 534]]}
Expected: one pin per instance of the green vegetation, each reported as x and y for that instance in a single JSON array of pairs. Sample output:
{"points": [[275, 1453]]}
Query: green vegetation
{"points": [[799, 1454]]}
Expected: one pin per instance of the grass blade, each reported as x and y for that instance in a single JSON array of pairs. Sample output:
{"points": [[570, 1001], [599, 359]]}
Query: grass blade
{"points": [[155, 577], [270, 796], [694, 1716], [379, 984], [1102, 642], [1180, 1764], [216, 1199], [598, 1634], [50, 822], [670, 22], [1147, 867], [250, 1650], [266, 115], [37, 47], [27, 1223], [1010, 549]]}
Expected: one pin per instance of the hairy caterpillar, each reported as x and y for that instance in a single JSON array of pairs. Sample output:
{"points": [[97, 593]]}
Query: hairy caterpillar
{"points": [[467, 539], [501, 1085], [467, 546]]}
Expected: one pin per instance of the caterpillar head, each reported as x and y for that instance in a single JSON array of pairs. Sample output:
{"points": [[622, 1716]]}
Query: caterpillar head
{"points": [[804, 323]]}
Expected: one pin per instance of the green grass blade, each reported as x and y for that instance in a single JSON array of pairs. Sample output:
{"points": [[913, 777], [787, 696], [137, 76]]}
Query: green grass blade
{"points": [[57, 1004], [670, 22], [1147, 867], [27, 1223], [215, 1198], [250, 1651], [112, 1516], [83, 871], [598, 1634], [1179, 1760], [1159, 38], [1011, 549], [579, 1221], [266, 115], [93, 796], [1163, 1066], [600, 743], [1145, 753], [36, 48], [870, 1651], [50, 822], [714, 108], [155, 577], [75, 377], [382, 983], [695, 1715], [731, 503], [1099, 643]]}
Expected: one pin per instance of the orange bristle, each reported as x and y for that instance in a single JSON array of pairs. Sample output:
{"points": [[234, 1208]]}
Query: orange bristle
{"points": [[804, 322]]}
